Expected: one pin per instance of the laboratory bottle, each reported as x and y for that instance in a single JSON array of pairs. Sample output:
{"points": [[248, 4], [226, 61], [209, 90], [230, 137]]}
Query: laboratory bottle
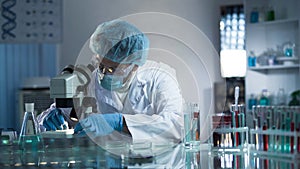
{"points": [[251, 101], [264, 100], [254, 15], [270, 14], [30, 142], [280, 97], [251, 59]]}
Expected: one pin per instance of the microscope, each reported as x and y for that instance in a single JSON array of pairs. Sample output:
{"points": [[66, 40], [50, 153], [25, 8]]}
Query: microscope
{"points": [[70, 90]]}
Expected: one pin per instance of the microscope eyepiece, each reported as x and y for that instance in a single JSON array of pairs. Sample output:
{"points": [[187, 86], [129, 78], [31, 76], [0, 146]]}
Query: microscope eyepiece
{"points": [[69, 69]]}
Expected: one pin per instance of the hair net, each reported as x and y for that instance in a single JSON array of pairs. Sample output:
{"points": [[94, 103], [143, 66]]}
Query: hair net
{"points": [[120, 42]]}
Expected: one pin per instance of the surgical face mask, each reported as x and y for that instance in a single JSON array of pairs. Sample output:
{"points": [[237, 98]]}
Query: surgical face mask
{"points": [[115, 82]]}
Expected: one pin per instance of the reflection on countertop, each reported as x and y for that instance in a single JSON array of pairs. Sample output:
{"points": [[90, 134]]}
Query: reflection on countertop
{"points": [[81, 152]]}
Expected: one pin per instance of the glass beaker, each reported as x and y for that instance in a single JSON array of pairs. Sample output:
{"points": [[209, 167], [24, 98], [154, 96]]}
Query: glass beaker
{"points": [[191, 132], [289, 49], [187, 137], [31, 145]]}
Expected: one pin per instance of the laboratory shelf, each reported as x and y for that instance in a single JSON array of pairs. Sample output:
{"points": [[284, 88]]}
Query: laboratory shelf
{"points": [[279, 21], [273, 67], [266, 37]]}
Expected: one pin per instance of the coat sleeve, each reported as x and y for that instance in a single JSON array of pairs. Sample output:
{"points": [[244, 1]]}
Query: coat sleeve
{"points": [[166, 123]]}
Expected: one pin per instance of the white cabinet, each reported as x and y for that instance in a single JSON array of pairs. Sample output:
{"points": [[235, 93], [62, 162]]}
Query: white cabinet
{"points": [[270, 35]]}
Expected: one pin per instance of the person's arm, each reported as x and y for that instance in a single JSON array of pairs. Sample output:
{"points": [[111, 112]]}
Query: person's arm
{"points": [[167, 121]]}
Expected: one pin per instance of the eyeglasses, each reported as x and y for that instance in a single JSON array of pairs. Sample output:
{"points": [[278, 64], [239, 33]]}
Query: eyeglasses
{"points": [[103, 69], [121, 69]]}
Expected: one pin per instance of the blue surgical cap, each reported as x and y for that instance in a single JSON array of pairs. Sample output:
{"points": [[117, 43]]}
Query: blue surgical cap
{"points": [[120, 42]]}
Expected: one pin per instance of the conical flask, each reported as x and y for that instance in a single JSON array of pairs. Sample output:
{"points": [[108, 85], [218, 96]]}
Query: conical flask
{"points": [[30, 125], [30, 141]]}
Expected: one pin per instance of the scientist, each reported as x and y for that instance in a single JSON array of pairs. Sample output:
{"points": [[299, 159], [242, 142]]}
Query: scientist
{"points": [[134, 96]]}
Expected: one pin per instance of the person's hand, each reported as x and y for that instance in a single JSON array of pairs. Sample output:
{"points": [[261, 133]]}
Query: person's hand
{"points": [[100, 124], [54, 120]]}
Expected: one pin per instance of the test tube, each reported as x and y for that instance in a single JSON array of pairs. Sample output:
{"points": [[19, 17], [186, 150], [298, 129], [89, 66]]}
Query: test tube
{"points": [[293, 117], [265, 136], [277, 119], [260, 125], [241, 117], [270, 124], [282, 138], [235, 124], [298, 128], [196, 122], [255, 124], [288, 129]]}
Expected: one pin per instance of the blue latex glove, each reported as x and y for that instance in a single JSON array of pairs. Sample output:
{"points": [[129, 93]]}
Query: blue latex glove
{"points": [[54, 120], [100, 124]]}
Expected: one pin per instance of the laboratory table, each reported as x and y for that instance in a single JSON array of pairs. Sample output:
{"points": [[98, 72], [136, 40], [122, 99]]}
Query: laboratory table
{"points": [[82, 152]]}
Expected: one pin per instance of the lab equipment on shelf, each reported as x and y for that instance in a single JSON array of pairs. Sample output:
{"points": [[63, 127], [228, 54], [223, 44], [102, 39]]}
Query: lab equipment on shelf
{"points": [[264, 99], [252, 101], [270, 13], [252, 59], [281, 99], [276, 131], [289, 49], [254, 15]]}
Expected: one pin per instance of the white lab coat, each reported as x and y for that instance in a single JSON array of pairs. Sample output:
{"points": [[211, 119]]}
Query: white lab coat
{"points": [[153, 106]]}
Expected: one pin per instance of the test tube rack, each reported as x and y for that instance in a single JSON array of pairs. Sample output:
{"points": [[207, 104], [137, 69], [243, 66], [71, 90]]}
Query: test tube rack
{"points": [[230, 139], [229, 132], [276, 131]]}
